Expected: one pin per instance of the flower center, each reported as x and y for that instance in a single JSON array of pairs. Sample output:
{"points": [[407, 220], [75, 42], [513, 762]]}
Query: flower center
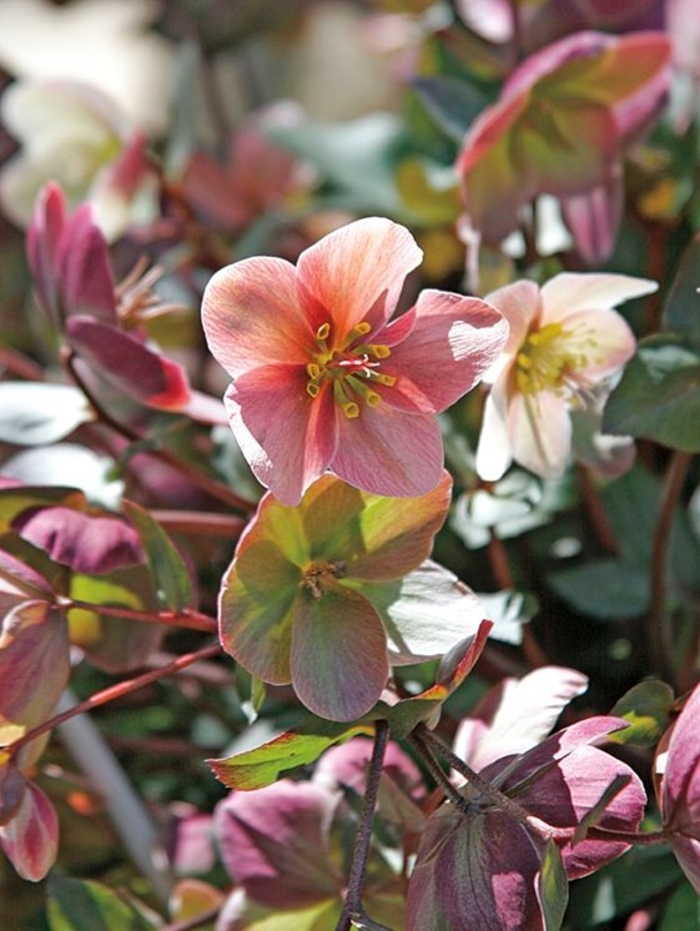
{"points": [[320, 576], [547, 360], [350, 366]]}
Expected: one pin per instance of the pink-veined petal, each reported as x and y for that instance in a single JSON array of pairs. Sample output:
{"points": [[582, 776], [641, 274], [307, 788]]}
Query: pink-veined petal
{"points": [[288, 438], [388, 452], [30, 839], [494, 451], [348, 270], [338, 656], [252, 317], [43, 237], [570, 292], [453, 341], [540, 432]]}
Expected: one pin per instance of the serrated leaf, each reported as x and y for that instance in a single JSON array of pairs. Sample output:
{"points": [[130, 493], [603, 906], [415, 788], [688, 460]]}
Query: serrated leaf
{"points": [[658, 397], [75, 905], [646, 706], [167, 568], [604, 588], [37, 413], [254, 769]]}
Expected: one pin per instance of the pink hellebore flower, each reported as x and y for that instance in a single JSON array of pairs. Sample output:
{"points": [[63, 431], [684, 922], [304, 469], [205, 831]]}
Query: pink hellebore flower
{"points": [[322, 380], [565, 345], [678, 787]]}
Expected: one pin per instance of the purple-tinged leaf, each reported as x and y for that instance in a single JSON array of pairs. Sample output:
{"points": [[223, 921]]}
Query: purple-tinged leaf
{"points": [[86, 285], [83, 542], [20, 582], [30, 839], [128, 364], [43, 237], [33, 649], [39, 413], [274, 843], [12, 788]]}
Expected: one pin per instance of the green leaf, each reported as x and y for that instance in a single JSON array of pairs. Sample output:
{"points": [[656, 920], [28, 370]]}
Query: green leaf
{"points": [[658, 397], [76, 905], [682, 911], [647, 707], [554, 888], [682, 307], [452, 103], [166, 566], [604, 588], [301, 746], [37, 413]]}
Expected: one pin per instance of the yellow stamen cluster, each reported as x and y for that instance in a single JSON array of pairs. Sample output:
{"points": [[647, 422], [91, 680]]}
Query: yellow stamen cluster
{"points": [[547, 360], [350, 366]]}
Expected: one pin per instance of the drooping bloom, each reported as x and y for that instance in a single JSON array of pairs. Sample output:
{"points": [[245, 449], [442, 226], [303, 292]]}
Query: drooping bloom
{"points": [[560, 127], [327, 594], [69, 259], [565, 345], [322, 380], [678, 787], [479, 865]]}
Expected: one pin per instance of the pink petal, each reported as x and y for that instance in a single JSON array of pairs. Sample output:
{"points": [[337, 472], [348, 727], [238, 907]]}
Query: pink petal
{"points": [[593, 217], [338, 657], [83, 267], [287, 438], [388, 452], [30, 839], [494, 452], [680, 798], [540, 432], [584, 44], [252, 317], [274, 843], [570, 292], [453, 341], [43, 237], [128, 364], [348, 270], [519, 303]]}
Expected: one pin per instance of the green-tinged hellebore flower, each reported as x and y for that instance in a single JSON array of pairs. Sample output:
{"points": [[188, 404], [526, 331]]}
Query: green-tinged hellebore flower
{"points": [[350, 389], [327, 594]]}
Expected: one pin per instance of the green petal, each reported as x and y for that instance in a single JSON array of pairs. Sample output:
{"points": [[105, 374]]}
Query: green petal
{"points": [[256, 607]]}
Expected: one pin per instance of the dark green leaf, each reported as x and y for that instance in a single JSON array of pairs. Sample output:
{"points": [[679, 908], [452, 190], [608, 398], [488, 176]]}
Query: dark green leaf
{"points": [[452, 103], [76, 905], [682, 911], [658, 397], [605, 589], [682, 308]]}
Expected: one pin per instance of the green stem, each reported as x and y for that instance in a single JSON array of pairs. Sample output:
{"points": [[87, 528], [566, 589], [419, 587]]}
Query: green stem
{"points": [[352, 909]]}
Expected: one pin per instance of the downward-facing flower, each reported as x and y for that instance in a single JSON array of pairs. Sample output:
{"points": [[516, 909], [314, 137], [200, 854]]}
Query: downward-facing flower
{"points": [[326, 594], [480, 866], [565, 346], [322, 380], [678, 787]]}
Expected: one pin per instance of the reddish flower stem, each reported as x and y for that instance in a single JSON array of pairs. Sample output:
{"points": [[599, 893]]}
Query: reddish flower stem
{"points": [[597, 515], [352, 909], [200, 479], [192, 620], [112, 693]]}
